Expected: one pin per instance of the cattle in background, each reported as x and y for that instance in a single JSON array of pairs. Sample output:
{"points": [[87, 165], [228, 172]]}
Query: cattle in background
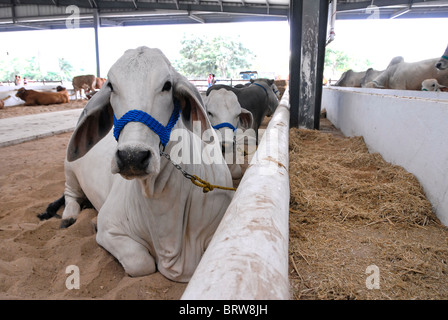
{"points": [[258, 98], [99, 82], [84, 82], [350, 78], [442, 64], [433, 85], [403, 75], [270, 82], [150, 217], [369, 76], [34, 98], [64, 91], [227, 117]]}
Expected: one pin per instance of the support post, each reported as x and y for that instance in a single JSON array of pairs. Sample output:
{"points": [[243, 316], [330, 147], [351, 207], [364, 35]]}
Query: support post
{"points": [[321, 44], [96, 25], [295, 25], [308, 25]]}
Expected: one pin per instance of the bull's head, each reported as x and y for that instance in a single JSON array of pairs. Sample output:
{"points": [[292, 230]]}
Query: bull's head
{"points": [[442, 64], [142, 82], [226, 115], [20, 93]]}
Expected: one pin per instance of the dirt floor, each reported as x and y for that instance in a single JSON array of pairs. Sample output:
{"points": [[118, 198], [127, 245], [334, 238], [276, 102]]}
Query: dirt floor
{"points": [[34, 254], [349, 211]]}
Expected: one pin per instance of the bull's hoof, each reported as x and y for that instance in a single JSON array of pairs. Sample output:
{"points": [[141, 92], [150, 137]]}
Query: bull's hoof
{"points": [[65, 223], [47, 215]]}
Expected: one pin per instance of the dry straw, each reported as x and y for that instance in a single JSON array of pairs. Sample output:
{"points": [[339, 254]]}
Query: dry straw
{"points": [[350, 209]]}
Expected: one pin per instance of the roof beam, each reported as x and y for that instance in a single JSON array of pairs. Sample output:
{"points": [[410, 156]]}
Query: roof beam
{"points": [[207, 6], [346, 6], [195, 17], [402, 11]]}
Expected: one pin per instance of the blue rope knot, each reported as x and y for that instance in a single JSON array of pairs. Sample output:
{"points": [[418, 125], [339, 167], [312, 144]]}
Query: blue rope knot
{"points": [[224, 125], [141, 116]]}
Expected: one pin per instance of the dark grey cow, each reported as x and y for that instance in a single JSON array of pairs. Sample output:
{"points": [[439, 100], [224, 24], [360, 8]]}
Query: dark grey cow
{"points": [[270, 82], [258, 98]]}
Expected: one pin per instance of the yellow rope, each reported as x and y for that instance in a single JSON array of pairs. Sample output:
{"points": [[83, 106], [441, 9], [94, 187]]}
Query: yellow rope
{"points": [[206, 186]]}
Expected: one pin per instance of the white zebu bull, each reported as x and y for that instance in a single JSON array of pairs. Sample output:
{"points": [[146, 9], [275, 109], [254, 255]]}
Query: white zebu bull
{"points": [[408, 75], [227, 116], [149, 215], [442, 64]]}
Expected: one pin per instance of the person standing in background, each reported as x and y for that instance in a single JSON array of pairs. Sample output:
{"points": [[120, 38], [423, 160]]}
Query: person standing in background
{"points": [[209, 80]]}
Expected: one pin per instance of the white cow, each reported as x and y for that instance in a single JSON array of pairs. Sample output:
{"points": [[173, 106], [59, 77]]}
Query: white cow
{"points": [[409, 76], [442, 64], [433, 85], [227, 116], [149, 215], [350, 78]]}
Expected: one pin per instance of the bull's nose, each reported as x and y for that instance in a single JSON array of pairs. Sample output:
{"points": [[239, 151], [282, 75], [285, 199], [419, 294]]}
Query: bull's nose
{"points": [[133, 162]]}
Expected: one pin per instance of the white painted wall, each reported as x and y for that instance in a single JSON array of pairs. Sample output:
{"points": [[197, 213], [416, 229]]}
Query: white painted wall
{"points": [[408, 128]]}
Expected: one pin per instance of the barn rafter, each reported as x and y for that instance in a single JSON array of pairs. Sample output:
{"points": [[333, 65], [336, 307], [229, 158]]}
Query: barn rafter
{"points": [[16, 15]]}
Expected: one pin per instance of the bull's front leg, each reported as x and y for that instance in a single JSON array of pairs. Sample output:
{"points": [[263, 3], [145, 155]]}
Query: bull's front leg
{"points": [[133, 256]]}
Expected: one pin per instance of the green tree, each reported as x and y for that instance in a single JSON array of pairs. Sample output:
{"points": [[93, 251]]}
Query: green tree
{"points": [[223, 56], [29, 68], [66, 70], [337, 62]]}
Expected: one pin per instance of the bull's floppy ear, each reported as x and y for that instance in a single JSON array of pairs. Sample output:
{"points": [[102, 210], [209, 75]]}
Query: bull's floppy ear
{"points": [[192, 106], [95, 122], [246, 120]]}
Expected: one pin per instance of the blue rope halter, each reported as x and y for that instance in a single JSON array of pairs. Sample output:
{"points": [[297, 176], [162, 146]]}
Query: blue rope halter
{"points": [[141, 116], [224, 125], [261, 87], [445, 57]]}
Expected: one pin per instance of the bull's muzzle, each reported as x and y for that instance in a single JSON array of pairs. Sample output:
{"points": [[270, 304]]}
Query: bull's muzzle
{"points": [[133, 162]]}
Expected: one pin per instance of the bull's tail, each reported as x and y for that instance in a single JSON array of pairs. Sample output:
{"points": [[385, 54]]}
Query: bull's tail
{"points": [[52, 209]]}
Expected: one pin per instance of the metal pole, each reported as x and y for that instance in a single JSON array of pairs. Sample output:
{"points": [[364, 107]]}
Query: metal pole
{"points": [[322, 37], [295, 25], [96, 25]]}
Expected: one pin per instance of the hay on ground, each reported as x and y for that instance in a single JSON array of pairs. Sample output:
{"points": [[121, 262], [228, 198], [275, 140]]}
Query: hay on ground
{"points": [[350, 209]]}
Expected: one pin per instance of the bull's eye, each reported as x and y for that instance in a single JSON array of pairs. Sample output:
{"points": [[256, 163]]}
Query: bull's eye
{"points": [[110, 86], [167, 86], [209, 114]]}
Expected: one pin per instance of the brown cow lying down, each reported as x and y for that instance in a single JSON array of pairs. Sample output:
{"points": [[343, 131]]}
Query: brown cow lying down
{"points": [[64, 91], [33, 98]]}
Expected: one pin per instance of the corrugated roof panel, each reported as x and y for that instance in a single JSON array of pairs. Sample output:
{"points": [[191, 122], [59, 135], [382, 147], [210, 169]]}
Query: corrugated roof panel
{"points": [[5, 12], [46, 14]]}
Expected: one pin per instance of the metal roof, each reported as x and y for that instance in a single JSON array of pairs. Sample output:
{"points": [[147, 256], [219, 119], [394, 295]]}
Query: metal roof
{"points": [[18, 15]]}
